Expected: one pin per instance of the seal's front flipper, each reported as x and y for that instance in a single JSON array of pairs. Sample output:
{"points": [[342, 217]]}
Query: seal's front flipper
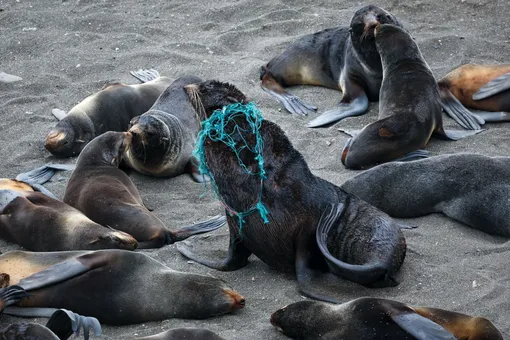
{"points": [[59, 114], [11, 295], [413, 155], [64, 323], [456, 134], [421, 328], [198, 228], [495, 86], [291, 102], [454, 108], [493, 116], [356, 107], [145, 75]]}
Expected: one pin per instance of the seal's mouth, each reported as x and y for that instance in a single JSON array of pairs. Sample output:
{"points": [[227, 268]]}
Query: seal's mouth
{"points": [[345, 150], [55, 139], [371, 21]]}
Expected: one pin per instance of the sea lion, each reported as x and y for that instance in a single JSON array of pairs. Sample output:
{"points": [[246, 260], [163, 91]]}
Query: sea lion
{"points": [[184, 334], [479, 87], [472, 189], [362, 244], [378, 319], [117, 287], [163, 137], [110, 109], [407, 118], [106, 195], [343, 58]]}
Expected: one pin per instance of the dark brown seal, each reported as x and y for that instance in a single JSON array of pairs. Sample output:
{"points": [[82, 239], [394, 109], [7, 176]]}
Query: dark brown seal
{"points": [[343, 58], [106, 195], [312, 224], [378, 319], [117, 287]]}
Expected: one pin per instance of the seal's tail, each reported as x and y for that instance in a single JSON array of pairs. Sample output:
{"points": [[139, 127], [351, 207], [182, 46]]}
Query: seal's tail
{"points": [[11, 295], [37, 177], [64, 323], [195, 229], [145, 75]]}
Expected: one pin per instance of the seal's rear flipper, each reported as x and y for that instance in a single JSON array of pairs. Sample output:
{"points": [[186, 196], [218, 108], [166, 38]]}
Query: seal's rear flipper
{"points": [[64, 323], [493, 116], [454, 108], [145, 75], [495, 86], [195, 229], [11, 295], [413, 155], [421, 328], [59, 114], [291, 102], [356, 107], [457, 134], [37, 177]]}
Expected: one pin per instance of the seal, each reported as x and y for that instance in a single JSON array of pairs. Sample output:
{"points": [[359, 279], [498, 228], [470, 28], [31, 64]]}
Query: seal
{"points": [[407, 119], [480, 87], [110, 109], [457, 185], [362, 244], [163, 137], [117, 287], [40, 223], [378, 319], [343, 58], [106, 195], [184, 333]]}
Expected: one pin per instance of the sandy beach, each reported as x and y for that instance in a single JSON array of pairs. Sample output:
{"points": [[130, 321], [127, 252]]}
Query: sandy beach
{"points": [[67, 49]]}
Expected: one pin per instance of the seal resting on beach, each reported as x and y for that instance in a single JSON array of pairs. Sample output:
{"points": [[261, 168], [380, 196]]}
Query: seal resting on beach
{"points": [[479, 87], [362, 244], [110, 109], [106, 195], [469, 188], [184, 334], [343, 58], [117, 287], [409, 106], [378, 319], [163, 137]]}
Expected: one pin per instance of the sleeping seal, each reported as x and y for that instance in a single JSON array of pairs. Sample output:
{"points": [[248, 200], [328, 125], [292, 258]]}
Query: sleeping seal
{"points": [[117, 287], [184, 334], [312, 224], [378, 319], [472, 189]]}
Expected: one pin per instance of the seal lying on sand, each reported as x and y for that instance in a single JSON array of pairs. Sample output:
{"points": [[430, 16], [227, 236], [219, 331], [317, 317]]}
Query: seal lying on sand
{"points": [[472, 189], [362, 243], [110, 109], [479, 87], [117, 287], [378, 319], [107, 196], [343, 58], [409, 106], [163, 137], [184, 334]]}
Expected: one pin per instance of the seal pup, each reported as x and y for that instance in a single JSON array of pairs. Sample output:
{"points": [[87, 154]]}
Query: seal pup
{"points": [[469, 188], [184, 334], [378, 319], [106, 195], [163, 137], [343, 58], [479, 87], [409, 106], [110, 109], [370, 245], [117, 287]]}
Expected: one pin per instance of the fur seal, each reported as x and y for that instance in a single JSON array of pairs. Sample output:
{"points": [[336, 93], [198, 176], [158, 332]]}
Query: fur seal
{"points": [[110, 109], [163, 137], [469, 188], [184, 334], [343, 58], [117, 287], [106, 195], [479, 87], [378, 319], [407, 119], [361, 244]]}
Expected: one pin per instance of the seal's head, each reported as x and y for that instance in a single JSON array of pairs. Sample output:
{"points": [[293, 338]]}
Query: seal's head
{"points": [[395, 44], [114, 240], [105, 149], [69, 137], [302, 320]]}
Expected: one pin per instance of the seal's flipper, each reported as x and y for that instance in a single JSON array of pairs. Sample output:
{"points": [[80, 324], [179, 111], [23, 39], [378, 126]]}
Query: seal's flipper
{"points": [[43, 174], [493, 116], [421, 328], [365, 274], [413, 155], [195, 229], [457, 134], [460, 114], [11, 295], [64, 323], [356, 107], [6, 78], [145, 75], [495, 86], [291, 102], [195, 172], [59, 114]]}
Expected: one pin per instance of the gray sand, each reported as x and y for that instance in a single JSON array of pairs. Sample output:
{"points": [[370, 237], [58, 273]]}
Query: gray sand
{"points": [[448, 265]]}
